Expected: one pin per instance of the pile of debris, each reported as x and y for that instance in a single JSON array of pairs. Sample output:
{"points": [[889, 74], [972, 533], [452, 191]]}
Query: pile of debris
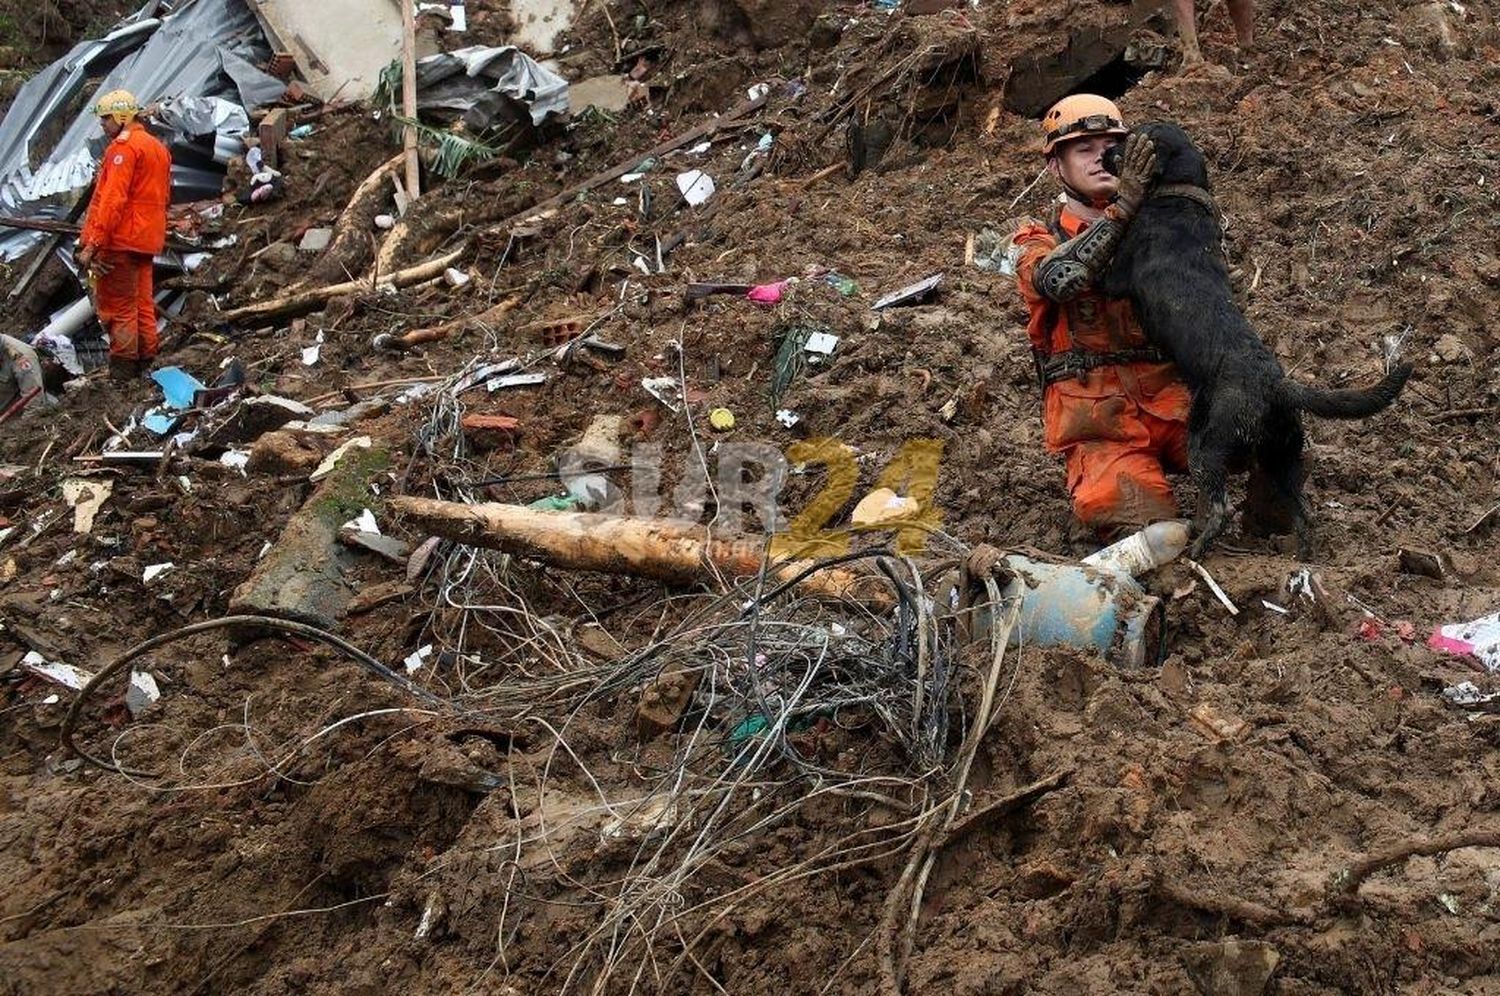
{"points": [[626, 557]]}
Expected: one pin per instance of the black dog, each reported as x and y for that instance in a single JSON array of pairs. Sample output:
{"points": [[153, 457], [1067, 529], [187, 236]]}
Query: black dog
{"points": [[1244, 408]]}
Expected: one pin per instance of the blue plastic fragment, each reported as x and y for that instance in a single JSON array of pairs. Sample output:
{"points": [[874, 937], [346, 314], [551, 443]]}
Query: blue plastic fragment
{"points": [[158, 423], [177, 385]]}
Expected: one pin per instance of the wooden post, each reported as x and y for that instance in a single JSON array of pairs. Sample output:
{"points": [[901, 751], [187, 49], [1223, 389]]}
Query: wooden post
{"points": [[409, 96]]}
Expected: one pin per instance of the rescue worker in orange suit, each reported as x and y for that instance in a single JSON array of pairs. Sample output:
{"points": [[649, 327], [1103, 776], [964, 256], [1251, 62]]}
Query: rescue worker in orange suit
{"points": [[1112, 404], [125, 228]]}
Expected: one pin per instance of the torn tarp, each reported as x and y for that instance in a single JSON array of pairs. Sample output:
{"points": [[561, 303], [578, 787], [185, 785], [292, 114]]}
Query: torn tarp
{"points": [[486, 85], [207, 50]]}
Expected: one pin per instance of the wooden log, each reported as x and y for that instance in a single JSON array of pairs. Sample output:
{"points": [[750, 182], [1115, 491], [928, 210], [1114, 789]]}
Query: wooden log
{"points": [[265, 312], [677, 552], [424, 223], [348, 252]]}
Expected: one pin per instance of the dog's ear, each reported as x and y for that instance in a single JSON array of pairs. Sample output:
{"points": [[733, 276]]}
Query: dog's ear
{"points": [[1186, 163]]}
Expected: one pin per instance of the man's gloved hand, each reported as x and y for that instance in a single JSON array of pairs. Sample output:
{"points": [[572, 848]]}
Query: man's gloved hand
{"points": [[1137, 170]]}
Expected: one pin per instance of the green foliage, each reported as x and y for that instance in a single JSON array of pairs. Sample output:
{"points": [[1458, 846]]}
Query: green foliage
{"points": [[790, 358]]}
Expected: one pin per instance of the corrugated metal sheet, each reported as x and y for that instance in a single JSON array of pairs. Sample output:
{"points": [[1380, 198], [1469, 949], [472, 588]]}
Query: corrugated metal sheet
{"points": [[209, 48], [482, 83]]}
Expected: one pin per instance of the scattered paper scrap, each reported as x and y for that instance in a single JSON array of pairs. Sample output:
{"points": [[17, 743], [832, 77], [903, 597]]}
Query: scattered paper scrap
{"points": [[666, 390], [155, 571], [696, 186], [418, 658], [822, 343], [311, 354], [363, 523], [141, 693], [64, 674], [85, 498], [332, 460], [516, 380]]}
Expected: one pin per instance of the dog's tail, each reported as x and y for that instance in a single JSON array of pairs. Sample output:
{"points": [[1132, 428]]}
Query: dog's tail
{"points": [[1355, 402]]}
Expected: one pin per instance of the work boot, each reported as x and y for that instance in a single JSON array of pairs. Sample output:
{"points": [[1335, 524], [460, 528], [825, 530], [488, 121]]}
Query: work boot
{"points": [[123, 371]]}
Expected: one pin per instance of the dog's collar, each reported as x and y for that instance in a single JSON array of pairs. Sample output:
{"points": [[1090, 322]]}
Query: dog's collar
{"points": [[1191, 191]]}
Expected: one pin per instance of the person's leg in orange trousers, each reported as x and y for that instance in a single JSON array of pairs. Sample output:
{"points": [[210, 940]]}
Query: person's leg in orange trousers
{"points": [[145, 300], [1120, 484], [117, 296]]}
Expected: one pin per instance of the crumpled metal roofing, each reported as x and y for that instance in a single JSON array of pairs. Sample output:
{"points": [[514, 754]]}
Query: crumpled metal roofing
{"points": [[480, 83], [208, 48]]}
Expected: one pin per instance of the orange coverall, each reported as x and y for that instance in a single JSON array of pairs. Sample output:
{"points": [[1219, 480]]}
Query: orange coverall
{"points": [[127, 226], [1120, 426]]}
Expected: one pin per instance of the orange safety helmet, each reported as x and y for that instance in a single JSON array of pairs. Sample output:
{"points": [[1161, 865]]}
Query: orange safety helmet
{"points": [[1079, 115]]}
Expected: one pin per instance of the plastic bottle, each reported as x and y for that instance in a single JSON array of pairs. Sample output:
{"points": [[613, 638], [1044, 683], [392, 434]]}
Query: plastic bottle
{"points": [[1157, 544]]}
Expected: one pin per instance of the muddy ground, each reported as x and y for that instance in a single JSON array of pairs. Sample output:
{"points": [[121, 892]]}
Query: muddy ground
{"points": [[309, 828]]}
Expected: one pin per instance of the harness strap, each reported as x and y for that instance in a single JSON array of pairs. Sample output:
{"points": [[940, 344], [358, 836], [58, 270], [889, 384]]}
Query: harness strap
{"points": [[1190, 191], [1074, 363]]}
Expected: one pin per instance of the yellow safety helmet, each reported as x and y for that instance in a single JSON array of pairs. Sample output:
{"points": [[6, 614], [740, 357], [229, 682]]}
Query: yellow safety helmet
{"points": [[1079, 115], [118, 104]]}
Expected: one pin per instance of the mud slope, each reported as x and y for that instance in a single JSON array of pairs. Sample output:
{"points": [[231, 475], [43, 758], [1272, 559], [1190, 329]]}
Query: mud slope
{"points": [[306, 827]]}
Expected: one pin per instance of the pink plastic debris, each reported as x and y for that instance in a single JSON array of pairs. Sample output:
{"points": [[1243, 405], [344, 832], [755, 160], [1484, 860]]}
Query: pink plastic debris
{"points": [[1481, 638], [768, 293]]}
